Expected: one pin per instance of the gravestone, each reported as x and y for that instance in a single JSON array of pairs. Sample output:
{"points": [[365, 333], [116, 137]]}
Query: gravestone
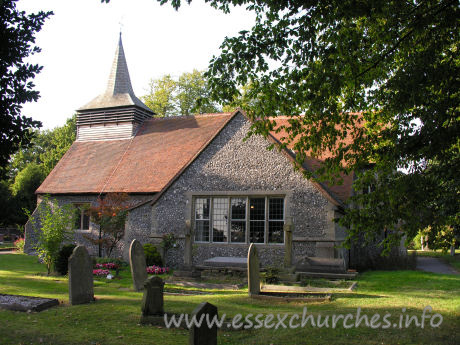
{"points": [[152, 302], [188, 245], [80, 277], [137, 264], [187, 270], [253, 271], [204, 335], [288, 227]]}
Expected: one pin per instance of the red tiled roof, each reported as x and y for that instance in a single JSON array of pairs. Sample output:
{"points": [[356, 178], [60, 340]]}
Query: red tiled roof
{"points": [[150, 162], [343, 191], [160, 151]]}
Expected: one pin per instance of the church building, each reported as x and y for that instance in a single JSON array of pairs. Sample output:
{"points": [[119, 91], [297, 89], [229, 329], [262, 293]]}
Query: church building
{"points": [[195, 175]]}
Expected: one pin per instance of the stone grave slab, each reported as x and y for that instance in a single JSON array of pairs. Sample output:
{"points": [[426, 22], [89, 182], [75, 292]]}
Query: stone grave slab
{"points": [[223, 261], [26, 303]]}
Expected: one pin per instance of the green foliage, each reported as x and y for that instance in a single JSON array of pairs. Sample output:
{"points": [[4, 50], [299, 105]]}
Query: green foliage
{"points": [[7, 205], [29, 167], [415, 243], [185, 96], [442, 239], [60, 140], [109, 213], [25, 184], [381, 74], [61, 262], [152, 256], [19, 244], [161, 96], [17, 38], [53, 225]]}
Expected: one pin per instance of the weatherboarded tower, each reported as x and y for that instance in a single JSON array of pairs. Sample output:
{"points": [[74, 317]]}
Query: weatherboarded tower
{"points": [[116, 113]]}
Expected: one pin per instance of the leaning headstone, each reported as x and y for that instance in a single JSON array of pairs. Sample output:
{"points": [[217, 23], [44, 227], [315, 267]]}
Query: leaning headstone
{"points": [[80, 277], [204, 335], [137, 264], [152, 301], [253, 271]]}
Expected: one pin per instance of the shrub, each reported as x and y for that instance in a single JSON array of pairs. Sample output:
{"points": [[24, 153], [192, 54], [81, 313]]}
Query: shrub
{"points": [[61, 263], [19, 244], [54, 226], [415, 243], [152, 256]]}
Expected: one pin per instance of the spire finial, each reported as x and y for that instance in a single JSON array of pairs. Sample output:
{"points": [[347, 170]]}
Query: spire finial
{"points": [[121, 25]]}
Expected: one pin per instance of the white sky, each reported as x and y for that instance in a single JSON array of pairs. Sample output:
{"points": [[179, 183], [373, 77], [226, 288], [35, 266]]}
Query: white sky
{"points": [[78, 44]]}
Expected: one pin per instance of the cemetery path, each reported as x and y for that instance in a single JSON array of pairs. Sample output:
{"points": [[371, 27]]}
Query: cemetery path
{"points": [[434, 265]]}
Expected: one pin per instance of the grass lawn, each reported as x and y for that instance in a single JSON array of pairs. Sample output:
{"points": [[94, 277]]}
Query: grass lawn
{"points": [[452, 260], [113, 319]]}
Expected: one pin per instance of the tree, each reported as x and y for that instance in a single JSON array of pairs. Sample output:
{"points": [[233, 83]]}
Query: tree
{"points": [[193, 94], [109, 213], [54, 226], [7, 209], [30, 165], [161, 96], [61, 138], [46, 148], [17, 36], [25, 184], [185, 96], [383, 74]]}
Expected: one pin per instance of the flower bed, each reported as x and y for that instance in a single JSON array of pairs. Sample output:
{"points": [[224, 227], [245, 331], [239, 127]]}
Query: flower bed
{"points": [[157, 270], [101, 272], [109, 266]]}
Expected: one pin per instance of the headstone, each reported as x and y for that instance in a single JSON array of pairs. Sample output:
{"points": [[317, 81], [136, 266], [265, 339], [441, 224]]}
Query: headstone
{"points": [[188, 245], [187, 270], [204, 335], [152, 302], [80, 277], [288, 227], [253, 271], [137, 264]]}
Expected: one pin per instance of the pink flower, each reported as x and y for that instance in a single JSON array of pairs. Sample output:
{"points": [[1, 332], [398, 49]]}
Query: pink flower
{"points": [[100, 272], [157, 270]]}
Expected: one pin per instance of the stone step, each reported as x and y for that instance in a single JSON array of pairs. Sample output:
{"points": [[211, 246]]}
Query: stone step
{"points": [[328, 275], [315, 264]]}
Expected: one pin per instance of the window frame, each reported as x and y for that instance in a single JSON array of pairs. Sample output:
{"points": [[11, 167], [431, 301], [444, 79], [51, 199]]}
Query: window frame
{"points": [[83, 207], [229, 196]]}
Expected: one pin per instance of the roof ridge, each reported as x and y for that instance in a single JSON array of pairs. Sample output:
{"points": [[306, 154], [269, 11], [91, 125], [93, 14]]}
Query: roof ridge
{"points": [[181, 117]]}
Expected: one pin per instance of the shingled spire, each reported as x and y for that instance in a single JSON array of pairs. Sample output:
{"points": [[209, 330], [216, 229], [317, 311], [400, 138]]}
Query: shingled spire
{"points": [[116, 113]]}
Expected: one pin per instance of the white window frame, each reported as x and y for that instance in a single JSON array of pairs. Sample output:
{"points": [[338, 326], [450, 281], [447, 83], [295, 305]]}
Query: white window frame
{"points": [[80, 206], [247, 216]]}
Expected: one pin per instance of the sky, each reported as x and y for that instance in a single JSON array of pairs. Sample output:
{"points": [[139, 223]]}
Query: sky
{"points": [[78, 45]]}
